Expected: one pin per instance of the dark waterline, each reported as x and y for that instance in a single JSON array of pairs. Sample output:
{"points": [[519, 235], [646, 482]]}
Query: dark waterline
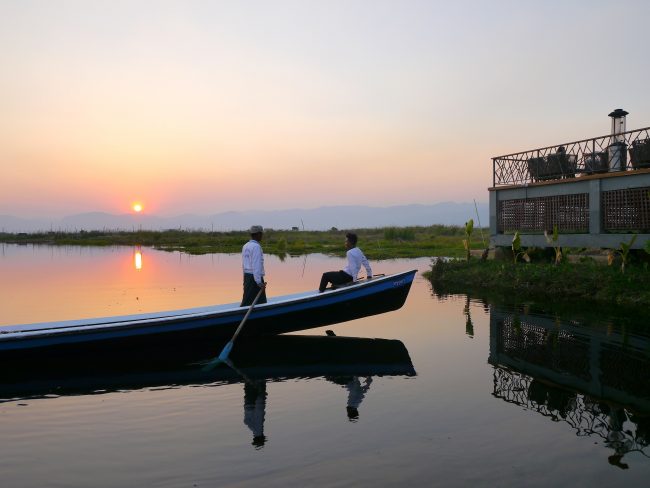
{"points": [[456, 392]]}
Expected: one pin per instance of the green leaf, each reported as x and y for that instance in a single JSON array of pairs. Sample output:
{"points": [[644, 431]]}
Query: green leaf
{"points": [[632, 240], [469, 226], [516, 242]]}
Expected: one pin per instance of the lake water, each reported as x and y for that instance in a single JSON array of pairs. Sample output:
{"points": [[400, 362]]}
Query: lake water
{"points": [[480, 394]]}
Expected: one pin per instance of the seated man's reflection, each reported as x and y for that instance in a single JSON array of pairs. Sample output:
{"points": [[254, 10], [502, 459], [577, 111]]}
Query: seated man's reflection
{"points": [[254, 410], [356, 392]]}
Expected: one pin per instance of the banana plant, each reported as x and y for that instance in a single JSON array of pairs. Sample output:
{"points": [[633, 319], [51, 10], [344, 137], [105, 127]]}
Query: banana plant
{"points": [[469, 228], [623, 251], [553, 241], [517, 250]]}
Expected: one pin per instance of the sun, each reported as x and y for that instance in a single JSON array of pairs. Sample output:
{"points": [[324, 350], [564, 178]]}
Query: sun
{"points": [[137, 207]]}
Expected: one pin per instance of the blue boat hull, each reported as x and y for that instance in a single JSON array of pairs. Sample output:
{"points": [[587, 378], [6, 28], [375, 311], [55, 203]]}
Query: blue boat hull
{"points": [[190, 332]]}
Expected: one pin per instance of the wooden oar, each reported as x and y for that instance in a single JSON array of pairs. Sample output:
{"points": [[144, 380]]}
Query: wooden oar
{"points": [[228, 347]]}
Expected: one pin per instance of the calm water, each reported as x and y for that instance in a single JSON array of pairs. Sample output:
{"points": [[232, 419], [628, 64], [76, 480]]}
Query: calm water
{"points": [[480, 394]]}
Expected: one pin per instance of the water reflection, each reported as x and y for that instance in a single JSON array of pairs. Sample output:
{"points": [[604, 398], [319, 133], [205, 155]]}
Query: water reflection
{"points": [[137, 258], [255, 410], [255, 396], [591, 376], [469, 325], [253, 363], [356, 394]]}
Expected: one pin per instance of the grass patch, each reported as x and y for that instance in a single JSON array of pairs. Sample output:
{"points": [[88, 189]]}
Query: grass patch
{"points": [[572, 282]]}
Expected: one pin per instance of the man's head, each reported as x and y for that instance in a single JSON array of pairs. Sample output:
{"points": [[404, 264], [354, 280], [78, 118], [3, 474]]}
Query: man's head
{"points": [[350, 240], [256, 232]]}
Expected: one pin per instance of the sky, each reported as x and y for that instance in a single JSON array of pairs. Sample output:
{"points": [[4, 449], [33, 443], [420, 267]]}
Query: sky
{"points": [[211, 106]]}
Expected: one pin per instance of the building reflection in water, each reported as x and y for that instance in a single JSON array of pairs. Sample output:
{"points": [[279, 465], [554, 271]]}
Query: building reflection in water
{"points": [[594, 379]]}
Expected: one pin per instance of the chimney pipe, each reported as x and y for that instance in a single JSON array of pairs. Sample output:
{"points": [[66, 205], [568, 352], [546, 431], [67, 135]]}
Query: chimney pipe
{"points": [[618, 122], [617, 148]]}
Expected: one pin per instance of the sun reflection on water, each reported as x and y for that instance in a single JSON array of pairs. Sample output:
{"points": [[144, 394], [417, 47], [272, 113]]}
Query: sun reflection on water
{"points": [[137, 258]]}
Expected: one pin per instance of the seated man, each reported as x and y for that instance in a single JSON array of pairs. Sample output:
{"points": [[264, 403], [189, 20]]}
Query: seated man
{"points": [[355, 257]]}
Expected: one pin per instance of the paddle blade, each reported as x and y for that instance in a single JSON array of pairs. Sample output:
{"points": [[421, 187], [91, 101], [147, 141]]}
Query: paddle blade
{"points": [[225, 352], [210, 365]]}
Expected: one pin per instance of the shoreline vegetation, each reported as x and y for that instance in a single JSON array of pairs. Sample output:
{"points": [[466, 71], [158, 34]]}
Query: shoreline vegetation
{"points": [[569, 283], [378, 243]]}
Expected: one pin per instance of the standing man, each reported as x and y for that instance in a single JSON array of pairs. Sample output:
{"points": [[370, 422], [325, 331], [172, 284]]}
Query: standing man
{"points": [[252, 258], [356, 258]]}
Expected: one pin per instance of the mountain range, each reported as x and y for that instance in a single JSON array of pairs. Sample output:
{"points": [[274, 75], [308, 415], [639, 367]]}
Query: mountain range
{"points": [[321, 218]]}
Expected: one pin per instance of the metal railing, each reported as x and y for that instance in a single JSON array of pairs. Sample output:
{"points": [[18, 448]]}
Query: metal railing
{"points": [[574, 159]]}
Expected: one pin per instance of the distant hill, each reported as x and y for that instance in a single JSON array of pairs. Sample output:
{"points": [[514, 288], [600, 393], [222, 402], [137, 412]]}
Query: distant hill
{"points": [[322, 218]]}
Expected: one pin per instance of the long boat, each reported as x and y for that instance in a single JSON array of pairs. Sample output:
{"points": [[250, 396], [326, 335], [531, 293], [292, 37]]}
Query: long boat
{"points": [[189, 329]]}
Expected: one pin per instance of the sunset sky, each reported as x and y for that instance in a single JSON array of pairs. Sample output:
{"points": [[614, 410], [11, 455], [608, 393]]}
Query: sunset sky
{"points": [[211, 106]]}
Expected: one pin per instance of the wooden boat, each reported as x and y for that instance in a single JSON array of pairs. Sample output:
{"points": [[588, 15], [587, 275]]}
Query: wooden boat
{"points": [[277, 358], [197, 327]]}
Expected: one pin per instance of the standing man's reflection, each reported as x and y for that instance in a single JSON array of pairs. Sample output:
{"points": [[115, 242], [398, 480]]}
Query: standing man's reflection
{"points": [[254, 410], [356, 393]]}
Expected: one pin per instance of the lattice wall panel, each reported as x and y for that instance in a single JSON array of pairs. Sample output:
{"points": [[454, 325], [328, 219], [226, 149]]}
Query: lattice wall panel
{"points": [[569, 212], [626, 210]]}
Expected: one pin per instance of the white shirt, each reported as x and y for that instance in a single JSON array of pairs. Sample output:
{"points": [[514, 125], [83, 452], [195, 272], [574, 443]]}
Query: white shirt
{"points": [[252, 259], [355, 259]]}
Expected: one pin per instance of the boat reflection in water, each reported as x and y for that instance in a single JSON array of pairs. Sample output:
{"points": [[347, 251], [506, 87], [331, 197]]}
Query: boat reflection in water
{"points": [[592, 377], [347, 361]]}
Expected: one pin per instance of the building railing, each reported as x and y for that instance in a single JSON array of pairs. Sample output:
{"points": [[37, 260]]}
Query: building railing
{"points": [[574, 159]]}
